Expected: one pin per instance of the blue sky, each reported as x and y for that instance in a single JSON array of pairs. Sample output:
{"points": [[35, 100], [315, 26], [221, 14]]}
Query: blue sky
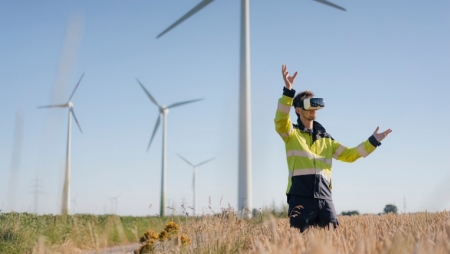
{"points": [[381, 63]]}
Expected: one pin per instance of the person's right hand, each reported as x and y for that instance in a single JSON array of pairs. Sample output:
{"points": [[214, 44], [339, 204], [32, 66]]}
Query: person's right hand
{"points": [[288, 80]]}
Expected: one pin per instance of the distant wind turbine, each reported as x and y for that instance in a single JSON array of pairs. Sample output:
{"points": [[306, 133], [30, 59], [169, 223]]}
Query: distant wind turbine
{"points": [[112, 204], [115, 203], [163, 111], [65, 210], [244, 153], [193, 179]]}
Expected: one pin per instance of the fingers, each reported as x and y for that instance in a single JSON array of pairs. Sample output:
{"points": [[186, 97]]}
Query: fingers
{"points": [[284, 71], [376, 130], [386, 132], [288, 80]]}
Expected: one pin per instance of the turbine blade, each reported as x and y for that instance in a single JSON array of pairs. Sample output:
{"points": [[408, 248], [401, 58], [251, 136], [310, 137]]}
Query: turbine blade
{"points": [[182, 103], [82, 75], [69, 51], [330, 4], [199, 6], [201, 163], [185, 160], [148, 94], [74, 117], [54, 106], [154, 131]]}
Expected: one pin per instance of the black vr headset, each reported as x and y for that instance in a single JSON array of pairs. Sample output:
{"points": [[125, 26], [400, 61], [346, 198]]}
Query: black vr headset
{"points": [[311, 104]]}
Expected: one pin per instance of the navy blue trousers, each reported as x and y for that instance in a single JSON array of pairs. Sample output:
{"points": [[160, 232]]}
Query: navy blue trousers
{"points": [[305, 212]]}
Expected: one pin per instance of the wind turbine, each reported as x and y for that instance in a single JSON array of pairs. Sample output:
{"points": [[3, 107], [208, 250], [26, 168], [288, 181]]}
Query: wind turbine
{"points": [[193, 179], [65, 210], [114, 199], [112, 204], [163, 111], [244, 153]]}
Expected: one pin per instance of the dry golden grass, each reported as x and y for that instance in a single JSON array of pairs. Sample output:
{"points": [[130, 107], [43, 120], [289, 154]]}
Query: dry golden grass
{"points": [[226, 233], [406, 233]]}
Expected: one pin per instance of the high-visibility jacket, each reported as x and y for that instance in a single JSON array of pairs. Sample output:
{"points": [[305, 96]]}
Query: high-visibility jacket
{"points": [[309, 153]]}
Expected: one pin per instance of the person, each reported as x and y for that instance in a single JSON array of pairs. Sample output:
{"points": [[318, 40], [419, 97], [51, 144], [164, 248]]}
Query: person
{"points": [[309, 151]]}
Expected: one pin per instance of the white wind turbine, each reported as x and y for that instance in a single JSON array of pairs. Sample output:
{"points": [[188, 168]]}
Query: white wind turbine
{"points": [[113, 204], [193, 179], [65, 209], [244, 153], [163, 111]]}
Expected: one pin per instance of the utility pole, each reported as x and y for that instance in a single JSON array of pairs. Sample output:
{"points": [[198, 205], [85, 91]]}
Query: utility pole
{"points": [[37, 189], [16, 158], [404, 204]]}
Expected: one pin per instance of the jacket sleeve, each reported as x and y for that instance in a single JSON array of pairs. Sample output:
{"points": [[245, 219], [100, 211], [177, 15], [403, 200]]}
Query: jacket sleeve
{"points": [[283, 124], [346, 154]]}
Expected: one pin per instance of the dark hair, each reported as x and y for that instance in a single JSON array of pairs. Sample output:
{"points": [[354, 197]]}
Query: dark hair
{"points": [[299, 97]]}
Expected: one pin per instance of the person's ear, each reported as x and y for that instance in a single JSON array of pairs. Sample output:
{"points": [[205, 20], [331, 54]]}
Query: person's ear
{"points": [[298, 110]]}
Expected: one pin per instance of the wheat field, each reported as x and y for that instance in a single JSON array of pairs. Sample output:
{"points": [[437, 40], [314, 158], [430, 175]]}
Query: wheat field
{"points": [[226, 233], [387, 233]]}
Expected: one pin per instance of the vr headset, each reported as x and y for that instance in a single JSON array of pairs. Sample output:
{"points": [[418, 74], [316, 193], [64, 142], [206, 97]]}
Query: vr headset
{"points": [[311, 104]]}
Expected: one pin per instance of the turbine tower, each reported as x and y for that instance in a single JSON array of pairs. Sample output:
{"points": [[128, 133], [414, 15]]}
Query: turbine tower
{"points": [[163, 111], [244, 153], [193, 179], [65, 209]]}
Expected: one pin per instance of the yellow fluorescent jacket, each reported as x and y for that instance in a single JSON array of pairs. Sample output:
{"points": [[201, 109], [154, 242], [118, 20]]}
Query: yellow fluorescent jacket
{"points": [[309, 153]]}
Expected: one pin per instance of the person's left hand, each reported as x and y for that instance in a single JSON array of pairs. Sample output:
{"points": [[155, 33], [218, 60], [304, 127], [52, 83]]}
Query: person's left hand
{"points": [[382, 135]]}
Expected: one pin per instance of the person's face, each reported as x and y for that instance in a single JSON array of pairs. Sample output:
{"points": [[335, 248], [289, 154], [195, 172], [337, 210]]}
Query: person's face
{"points": [[306, 114]]}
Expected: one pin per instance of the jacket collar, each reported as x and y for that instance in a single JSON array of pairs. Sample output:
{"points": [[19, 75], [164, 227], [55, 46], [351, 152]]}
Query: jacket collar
{"points": [[317, 127]]}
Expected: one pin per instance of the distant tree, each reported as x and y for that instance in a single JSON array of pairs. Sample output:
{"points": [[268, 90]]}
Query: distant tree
{"points": [[390, 209], [350, 213]]}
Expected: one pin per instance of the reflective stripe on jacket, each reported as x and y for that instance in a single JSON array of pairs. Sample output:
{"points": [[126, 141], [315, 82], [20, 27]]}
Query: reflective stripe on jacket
{"points": [[309, 153]]}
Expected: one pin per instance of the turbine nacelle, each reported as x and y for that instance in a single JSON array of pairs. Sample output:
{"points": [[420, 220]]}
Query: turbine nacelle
{"points": [[69, 105], [204, 3], [163, 110]]}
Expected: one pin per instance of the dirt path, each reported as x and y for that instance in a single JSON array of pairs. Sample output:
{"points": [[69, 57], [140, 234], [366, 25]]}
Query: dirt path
{"points": [[128, 248]]}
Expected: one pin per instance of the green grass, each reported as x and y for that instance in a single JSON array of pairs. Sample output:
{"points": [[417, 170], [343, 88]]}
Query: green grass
{"points": [[20, 232]]}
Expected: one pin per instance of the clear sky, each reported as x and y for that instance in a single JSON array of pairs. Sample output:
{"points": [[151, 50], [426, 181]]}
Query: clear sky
{"points": [[381, 63]]}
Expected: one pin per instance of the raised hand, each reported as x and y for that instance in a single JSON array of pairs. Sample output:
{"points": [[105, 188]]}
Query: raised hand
{"points": [[382, 135], [288, 80]]}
